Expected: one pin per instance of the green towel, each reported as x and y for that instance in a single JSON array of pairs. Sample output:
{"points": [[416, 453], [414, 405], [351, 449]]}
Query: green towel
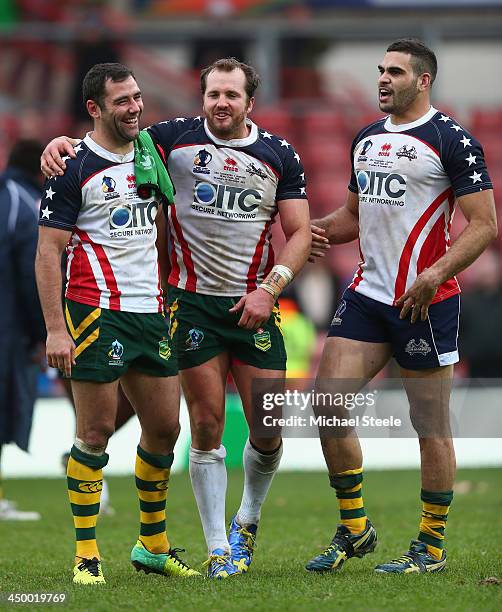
{"points": [[152, 178]]}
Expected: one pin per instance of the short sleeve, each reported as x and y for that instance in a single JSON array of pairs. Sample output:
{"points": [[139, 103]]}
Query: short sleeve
{"points": [[61, 200], [292, 184]]}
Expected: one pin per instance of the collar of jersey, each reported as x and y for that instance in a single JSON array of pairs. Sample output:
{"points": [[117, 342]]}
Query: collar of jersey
{"points": [[390, 127], [236, 142], [114, 157]]}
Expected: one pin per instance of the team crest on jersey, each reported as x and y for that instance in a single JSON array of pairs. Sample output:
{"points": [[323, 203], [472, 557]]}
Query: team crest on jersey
{"points": [[385, 150], [131, 181], [362, 154], [108, 188], [194, 338], [230, 165], [262, 341], [409, 152], [421, 347], [201, 160], [337, 319], [254, 171], [115, 353], [164, 350]]}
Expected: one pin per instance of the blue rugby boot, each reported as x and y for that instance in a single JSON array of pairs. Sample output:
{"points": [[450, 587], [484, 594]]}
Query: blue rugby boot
{"points": [[416, 561], [343, 546], [242, 541], [219, 565]]}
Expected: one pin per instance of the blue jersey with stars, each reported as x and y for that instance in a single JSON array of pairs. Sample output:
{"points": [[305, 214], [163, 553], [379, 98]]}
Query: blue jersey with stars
{"points": [[226, 201], [112, 259], [407, 178]]}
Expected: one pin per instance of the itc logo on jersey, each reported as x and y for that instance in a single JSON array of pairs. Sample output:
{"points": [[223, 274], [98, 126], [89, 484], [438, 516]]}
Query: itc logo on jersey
{"points": [[226, 200], [381, 187], [132, 218]]}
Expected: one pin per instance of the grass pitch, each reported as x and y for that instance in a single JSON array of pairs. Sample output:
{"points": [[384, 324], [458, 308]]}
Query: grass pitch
{"points": [[298, 520]]}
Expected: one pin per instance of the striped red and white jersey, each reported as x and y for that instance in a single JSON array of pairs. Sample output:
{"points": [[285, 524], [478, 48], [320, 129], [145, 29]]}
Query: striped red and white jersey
{"points": [[226, 202], [407, 178], [112, 258]]}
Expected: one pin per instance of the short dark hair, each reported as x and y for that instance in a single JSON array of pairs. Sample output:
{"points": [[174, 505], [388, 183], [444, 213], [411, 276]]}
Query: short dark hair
{"points": [[423, 59], [228, 64], [94, 83], [25, 156]]}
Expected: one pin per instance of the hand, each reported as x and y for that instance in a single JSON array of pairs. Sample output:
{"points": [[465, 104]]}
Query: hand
{"points": [[320, 244], [60, 350], [256, 308], [419, 296], [51, 163]]}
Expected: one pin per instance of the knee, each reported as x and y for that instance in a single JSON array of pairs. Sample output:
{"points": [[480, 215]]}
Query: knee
{"points": [[97, 435], [207, 428]]}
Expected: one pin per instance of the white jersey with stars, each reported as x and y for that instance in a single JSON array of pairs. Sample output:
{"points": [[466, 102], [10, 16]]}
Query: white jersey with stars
{"points": [[112, 258], [407, 178], [226, 201]]}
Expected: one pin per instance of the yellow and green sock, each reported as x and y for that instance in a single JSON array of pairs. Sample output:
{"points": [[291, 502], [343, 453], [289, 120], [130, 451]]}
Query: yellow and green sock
{"points": [[348, 487], [433, 522], [152, 480], [85, 481]]}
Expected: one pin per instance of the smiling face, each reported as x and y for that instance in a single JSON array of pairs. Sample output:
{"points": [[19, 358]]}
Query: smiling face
{"points": [[401, 92], [226, 104], [117, 119]]}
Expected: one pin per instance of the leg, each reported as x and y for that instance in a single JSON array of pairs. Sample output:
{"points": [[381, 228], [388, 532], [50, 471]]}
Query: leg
{"points": [[353, 363], [261, 458], [156, 401], [429, 395], [95, 406], [204, 388]]}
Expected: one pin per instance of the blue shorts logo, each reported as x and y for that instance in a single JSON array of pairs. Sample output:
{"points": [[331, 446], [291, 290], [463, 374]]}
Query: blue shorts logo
{"points": [[418, 348], [337, 319]]}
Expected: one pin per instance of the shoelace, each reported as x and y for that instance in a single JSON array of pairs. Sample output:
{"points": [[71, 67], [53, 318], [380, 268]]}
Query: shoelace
{"points": [[173, 552], [91, 565], [407, 557], [220, 559], [250, 539], [339, 541]]}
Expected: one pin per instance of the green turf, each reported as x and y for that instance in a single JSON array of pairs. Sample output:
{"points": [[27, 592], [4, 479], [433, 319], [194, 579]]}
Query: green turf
{"points": [[298, 520]]}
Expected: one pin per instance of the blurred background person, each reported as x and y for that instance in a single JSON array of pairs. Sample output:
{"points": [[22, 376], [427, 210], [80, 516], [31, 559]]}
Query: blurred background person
{"points": [[22, 330]]}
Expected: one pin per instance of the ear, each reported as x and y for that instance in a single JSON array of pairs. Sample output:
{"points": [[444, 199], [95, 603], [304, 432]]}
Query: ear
{"points": [[424, 81], [93, 109], [250, 105]]}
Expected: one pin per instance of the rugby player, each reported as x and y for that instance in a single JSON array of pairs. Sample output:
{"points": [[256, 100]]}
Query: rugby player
{"points": [[113, 326], [410, 170]]}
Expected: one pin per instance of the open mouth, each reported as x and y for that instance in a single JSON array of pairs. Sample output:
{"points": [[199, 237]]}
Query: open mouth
{"points": [[384, 94], [133, 122]]}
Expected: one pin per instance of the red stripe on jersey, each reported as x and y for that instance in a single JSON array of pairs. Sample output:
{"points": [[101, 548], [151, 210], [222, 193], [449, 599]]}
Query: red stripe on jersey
{"points": [[191, 284], [97, 172], [174, 276], [358, 277], [270, 260], [404, 261], [106, 268], [160, 299], [255, 262], [161, 152], [82, 286]]}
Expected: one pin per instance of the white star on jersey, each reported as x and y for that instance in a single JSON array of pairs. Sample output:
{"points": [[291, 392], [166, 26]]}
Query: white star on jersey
{"points": [[46, 213], [48, 194], [455, 127], [466, 142], [302, 176], [178, 119], [471, 159], [444, 118], [297, 157], [265, 134], [78, 148], [284, 143], [476, 177], [303, 191], [65, 158]]}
